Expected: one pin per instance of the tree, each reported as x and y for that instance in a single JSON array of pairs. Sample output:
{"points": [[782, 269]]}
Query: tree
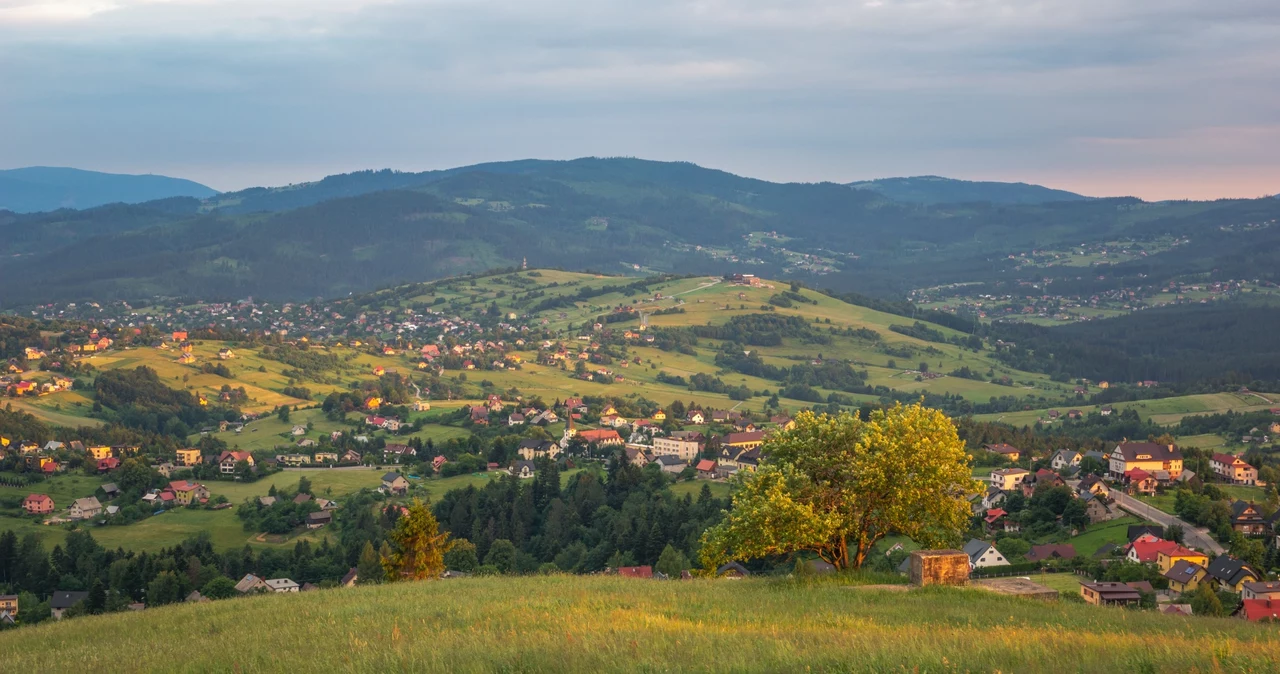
{"points": [[1175, 533], [283, 413], [369, 569], [219, 587], [304, 485], [417, 546], [97, 601], [502, 556], [671, 562], [462, 556], [838, 482], [1013, 548], [1205, 601], [1074, 514], [1090, 465], [164, 589]]}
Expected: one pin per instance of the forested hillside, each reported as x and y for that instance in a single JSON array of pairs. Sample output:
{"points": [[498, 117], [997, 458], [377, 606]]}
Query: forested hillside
{"points": [[363, 230]]}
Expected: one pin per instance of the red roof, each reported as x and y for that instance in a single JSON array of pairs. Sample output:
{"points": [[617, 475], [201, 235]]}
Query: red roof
{"points": [[38, 498], [1148, 551], [51, 467], [182, 485], [636, 571], [1254, 610], [1137, 475], [706, 465], [600, 435], [238, 456], [995, 514]]}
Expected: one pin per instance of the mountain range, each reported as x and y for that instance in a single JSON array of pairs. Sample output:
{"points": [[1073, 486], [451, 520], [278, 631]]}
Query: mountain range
{"points": [[358, 231], [45, 188]]}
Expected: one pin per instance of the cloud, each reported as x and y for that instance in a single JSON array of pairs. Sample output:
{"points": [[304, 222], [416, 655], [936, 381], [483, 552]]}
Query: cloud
{"points": [[233, 91]]}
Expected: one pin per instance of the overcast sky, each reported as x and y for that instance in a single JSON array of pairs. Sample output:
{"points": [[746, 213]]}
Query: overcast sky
{"points": [[1155, 98]]}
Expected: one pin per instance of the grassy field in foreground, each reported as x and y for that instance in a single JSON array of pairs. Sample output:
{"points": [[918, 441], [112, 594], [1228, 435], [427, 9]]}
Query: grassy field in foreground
{"points": [[597, 624]]}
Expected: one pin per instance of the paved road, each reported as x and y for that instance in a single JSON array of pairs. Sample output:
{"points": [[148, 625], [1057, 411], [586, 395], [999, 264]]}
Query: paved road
{"points": [[1194, 537]]}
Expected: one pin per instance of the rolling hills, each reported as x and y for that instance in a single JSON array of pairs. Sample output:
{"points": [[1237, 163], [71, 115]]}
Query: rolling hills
{"points": [[43, 188], [360, 231], [607, 623]]}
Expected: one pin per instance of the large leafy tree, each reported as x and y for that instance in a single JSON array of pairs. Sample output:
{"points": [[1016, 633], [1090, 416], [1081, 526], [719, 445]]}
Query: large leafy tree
{"points": [[417, 546], [834, 485]]}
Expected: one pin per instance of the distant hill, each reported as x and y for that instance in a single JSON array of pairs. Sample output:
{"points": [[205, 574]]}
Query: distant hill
{"points": [[44, 188], [938, 190]]}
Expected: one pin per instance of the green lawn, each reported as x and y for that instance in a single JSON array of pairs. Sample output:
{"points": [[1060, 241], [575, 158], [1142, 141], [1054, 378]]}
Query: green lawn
{"points": [[1098, 535], [63, 488], [694, 487], [611, 624]]}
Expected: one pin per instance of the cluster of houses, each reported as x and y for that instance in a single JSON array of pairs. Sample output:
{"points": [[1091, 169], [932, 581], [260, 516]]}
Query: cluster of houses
{"points": [[52, 457]]}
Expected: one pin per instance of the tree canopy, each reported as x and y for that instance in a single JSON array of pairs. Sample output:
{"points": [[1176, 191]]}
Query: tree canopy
{"points": [[834, 485]]}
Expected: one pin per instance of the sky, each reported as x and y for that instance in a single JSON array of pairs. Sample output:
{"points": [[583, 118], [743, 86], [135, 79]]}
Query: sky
{"points": [[1161, 99]]}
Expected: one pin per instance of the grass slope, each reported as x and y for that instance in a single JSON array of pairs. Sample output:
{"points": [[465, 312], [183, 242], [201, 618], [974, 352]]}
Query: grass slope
{"points": [[603, 624]]}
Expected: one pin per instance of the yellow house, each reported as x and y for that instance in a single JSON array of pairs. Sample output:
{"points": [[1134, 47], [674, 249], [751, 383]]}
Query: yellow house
{"points": [[1166, 559], [1185, 577], [1005, 479], [609, 411], [186, 359], [189, 457], [659, 416], [100, 453], [373, 403]]}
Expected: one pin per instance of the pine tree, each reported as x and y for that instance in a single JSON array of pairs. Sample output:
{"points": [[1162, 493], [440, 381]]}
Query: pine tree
{"points": [[369, 569], [97, 600], [417, 546]]}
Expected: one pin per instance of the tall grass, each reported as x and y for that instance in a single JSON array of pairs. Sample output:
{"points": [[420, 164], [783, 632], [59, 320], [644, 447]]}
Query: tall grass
{"points": [[605, 624]]}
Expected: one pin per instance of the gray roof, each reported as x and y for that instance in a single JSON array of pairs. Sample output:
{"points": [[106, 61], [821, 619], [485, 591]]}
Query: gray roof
{"points": [[63, 599], [975, 548], [390, 477]]}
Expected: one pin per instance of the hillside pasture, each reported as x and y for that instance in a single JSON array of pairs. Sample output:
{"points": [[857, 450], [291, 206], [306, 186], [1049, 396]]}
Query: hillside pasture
{"points": [[590, 624]]}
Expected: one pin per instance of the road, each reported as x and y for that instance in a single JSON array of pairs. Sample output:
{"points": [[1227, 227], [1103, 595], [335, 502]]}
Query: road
{"points": [[1194, 537]]}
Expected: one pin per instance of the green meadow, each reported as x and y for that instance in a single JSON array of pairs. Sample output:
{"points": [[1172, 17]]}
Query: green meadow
{"points": [[612, 624]]}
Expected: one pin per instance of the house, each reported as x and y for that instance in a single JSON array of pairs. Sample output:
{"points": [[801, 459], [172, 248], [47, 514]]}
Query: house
{"points": [[522, 469], [1185, 576], [228, 460], [671, 464], [318, 519], [438, 462], [635, 571], [420, 405], [749, 440], [282, 585], [682, 448], [398, 451], [38, 504], [1097, 508], [695, 417], [1231, 574], [63, 600], [298, 430], [480, 414], [1008, 478], [603, 437], [251, 583], [266, 501], [1040, 553], [99, 451], [1261, 590], [1065, 458], [783, 422], [1046, 476], [8, 608], [1233, 469], [1007, 451], [111, 490], [1140, 481], [395, 484], [532, 448], [636, 457], [659, 416], [188, 457], [1109, 594], [226, 354], [1247, 519], [983, 554], [166, 469], [1167, 557], [1258, 610], [515, 419], [1147, 456], [992, 498], [351, 456], [85, 508], [1146, 550], [326, 457], [108, 464], [1092, 484], [707, 469], [350, 579]]}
